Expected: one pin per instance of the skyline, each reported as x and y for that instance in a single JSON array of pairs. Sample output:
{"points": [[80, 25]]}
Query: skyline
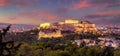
{"points": [[100, 12]]}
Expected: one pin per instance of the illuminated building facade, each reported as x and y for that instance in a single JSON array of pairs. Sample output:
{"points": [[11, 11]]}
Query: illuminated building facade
{"points": [[44, 25], [50, 34], [85, 26], [71, 21], [68, 25]]}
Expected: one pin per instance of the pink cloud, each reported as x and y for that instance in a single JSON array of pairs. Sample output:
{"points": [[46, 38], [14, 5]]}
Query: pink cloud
{"points": [[25, 3], [104, 14], [108, 13], [95, 4], [46, 15], [19, 3], [4, 2], [81, 4], [33, 17]]}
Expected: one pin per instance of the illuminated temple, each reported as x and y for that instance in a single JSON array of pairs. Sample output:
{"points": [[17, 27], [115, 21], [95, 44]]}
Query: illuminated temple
{"points": [[47, 30]]}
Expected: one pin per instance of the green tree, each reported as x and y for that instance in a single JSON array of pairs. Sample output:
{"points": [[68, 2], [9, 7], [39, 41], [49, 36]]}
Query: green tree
{"points": [[29, 50], [57, 53], [117, 52]]}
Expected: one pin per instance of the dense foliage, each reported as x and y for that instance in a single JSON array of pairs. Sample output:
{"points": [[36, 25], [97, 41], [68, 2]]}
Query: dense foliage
{"points": [[47, 49]]}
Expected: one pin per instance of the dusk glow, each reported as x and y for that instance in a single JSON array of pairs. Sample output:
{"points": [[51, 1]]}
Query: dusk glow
{"points": [[38, 11]]}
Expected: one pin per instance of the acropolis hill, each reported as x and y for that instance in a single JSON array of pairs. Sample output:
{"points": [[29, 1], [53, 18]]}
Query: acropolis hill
{"points": [[48, 30]]}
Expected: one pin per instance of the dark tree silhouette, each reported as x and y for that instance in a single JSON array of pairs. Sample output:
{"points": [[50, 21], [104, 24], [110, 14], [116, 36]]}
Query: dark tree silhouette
{"points": [[9, 46]]}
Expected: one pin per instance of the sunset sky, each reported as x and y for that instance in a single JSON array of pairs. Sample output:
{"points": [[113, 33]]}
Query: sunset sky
{"points": [[100, 12]]}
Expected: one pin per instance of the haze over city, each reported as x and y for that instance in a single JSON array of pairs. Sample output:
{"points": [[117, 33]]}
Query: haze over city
{"points": [[101, 12]]}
